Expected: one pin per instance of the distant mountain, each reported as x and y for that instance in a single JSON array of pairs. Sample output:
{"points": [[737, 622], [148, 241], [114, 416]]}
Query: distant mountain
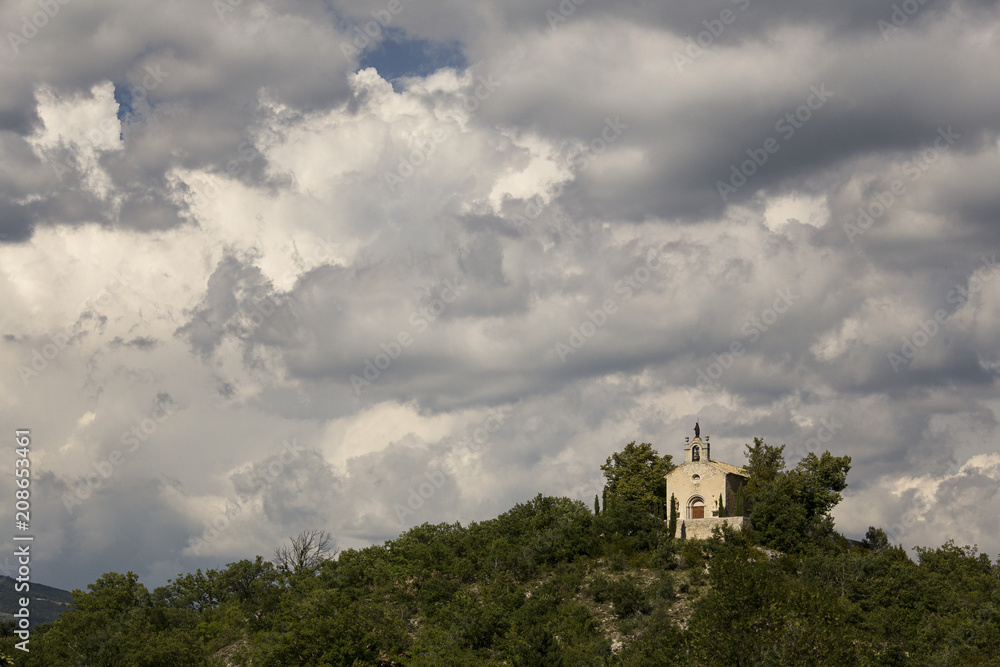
{"points": [[47, 603]]}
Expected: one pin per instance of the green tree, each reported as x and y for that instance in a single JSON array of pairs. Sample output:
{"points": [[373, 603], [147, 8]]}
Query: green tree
{"points": [[876, 539], [722, 506], [790, 509], [672, 526], [115, 623], [597, 505], [765, 464], [637, 475], [540, 649]]}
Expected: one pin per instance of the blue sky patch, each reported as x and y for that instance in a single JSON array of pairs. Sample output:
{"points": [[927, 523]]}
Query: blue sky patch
{"points": [[397, 56]]}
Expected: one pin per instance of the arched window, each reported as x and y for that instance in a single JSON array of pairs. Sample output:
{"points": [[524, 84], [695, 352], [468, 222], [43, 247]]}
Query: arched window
{"points": [[696, 453]]}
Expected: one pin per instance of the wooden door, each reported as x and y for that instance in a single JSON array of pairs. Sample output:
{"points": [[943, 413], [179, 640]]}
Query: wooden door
{"points": [[698, 512]]}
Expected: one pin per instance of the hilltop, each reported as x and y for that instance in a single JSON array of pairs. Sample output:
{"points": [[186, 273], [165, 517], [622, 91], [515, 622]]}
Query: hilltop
{"points": [[552, 583]]}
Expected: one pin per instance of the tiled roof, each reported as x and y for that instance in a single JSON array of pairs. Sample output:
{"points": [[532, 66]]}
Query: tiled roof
{"points": [[729, 467]]}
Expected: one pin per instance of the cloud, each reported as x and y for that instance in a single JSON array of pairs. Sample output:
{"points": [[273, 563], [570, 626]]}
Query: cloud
{"points": [[371, 252]]}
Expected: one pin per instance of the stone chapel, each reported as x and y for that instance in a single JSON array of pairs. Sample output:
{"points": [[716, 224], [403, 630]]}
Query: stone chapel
{"points": [[698, 483]]}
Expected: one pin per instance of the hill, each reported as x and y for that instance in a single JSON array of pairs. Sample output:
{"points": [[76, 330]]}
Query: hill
{"points": [[47, 603], [549, 583]]}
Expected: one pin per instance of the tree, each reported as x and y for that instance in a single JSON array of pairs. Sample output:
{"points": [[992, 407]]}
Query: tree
{"points": [[306, 552], [597, 505], [722, 507], [791, 508], [740, 495], [875, 539], [672, 526], [764, 464], [636, 475], [538, 649]]}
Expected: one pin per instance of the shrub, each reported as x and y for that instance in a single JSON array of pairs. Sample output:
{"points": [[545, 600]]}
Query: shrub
{"points": [[665, 587], [692, 554], [628, 598], [618, 562], [665, 556], [600, 588]]}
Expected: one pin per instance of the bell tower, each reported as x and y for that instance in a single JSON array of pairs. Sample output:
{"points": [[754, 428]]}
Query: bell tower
{"points": [[697, 450]]}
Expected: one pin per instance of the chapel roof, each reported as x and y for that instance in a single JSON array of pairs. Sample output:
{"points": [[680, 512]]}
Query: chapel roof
{"points": [[721, 465]]}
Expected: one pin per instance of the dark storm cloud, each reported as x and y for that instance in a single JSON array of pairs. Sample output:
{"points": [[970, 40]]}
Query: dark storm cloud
{"points": [[237, 302], [564, 253], [181, 73]]}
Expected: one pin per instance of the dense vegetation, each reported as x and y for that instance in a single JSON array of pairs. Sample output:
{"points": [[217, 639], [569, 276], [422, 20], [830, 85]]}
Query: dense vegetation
{"points": [[549, 583]]}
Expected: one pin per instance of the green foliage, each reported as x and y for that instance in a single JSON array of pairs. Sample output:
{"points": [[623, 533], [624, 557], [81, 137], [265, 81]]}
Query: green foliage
{"points": [[674, 512], [535, 587], [600, 588], [538, 649], [116, 623], [753, 614], [722, 507], [876, 539], [790, 509], [628, 527], [628, 597], [637, 475]]}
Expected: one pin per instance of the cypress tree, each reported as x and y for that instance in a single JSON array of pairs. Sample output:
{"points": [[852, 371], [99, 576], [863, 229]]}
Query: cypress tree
{"points": [[597, 505], [672, 526], [722, 507]]}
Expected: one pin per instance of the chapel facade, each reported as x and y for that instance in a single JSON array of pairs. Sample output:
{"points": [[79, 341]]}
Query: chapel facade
{"points": [[698, 484]]}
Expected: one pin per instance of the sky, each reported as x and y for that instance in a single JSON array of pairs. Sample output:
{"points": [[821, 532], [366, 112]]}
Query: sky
{"points": [[357, 266]]}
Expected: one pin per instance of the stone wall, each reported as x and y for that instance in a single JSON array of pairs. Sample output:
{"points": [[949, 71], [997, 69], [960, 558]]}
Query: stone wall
{"points": [[700, 529]]}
